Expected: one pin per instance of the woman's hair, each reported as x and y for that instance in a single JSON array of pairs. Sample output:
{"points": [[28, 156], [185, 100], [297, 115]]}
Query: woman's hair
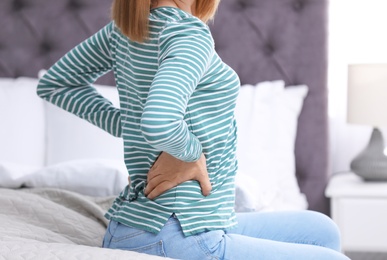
{"points": [[205, 9], [131, 16]]}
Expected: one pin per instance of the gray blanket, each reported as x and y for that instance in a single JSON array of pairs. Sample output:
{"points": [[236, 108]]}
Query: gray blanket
{"points": [[55, 224]]}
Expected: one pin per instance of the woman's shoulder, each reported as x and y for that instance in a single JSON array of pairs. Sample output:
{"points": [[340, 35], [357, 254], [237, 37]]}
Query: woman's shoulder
{"points": [[175, 19], [169, 14]]}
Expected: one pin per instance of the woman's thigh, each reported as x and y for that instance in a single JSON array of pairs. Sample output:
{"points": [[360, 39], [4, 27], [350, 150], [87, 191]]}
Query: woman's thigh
{"points": [[302, 227], [216, 245], [244, 247]]}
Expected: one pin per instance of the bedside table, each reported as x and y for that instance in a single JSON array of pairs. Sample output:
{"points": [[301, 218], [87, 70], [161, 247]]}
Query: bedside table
{"points": [[360, 210]]}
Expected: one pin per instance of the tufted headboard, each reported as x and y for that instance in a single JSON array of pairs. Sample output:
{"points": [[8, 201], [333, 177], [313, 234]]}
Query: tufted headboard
{"points": [[284, 39], [261, 39], [36, 33]]}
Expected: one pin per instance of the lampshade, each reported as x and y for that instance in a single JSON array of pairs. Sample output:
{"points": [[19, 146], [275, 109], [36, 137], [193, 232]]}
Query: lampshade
{"points": [[367, 94]]}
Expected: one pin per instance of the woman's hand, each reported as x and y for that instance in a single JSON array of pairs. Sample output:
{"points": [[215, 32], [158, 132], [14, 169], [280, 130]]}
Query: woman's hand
{"points": [[168, 172]]}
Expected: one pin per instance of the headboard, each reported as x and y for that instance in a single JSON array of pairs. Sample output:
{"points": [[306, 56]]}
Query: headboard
{"points": [[284, 39], [261, 39]]}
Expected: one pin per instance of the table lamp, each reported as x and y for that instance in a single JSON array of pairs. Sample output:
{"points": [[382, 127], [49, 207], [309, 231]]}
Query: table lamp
{"points": [[367, 105]]}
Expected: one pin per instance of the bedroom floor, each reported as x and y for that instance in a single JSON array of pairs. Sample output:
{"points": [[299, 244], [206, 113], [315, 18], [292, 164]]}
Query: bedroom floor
{"points": [[366, 256]]}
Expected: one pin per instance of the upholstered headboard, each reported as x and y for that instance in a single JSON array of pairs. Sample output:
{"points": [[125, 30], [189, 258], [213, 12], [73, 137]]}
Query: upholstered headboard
{"points": [[284, 39], [36, 33], [260, 39]]}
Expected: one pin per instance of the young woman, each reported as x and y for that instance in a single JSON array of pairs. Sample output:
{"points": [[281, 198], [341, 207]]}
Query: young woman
{"points": [[176, 119]]}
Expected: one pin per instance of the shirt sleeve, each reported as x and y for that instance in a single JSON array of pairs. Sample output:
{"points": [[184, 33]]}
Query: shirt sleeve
{"points": [[186, 49], [67, 83]]}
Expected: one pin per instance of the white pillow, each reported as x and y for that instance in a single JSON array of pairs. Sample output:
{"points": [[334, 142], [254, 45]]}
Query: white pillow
{"points": [[267, 117], [22, 131], [13, 174], [70, 137], [93, 177]]}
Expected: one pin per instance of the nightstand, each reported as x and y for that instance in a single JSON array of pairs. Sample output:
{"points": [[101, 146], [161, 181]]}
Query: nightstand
{"points": [[360, 210]]}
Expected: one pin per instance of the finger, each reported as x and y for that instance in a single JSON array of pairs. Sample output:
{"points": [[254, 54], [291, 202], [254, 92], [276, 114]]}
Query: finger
{"points": [[152, 174], [160, 189], [205, 184], [156, 181], [152, 183]]}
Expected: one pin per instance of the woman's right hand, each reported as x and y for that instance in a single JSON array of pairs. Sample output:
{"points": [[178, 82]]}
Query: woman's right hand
{"points": [[168, 172]]}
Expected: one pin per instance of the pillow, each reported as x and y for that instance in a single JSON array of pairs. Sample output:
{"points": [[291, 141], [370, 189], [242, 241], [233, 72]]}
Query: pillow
{"points": [[70, 137], [267, 117], [93, 177], [12, 174], [22, 131]]}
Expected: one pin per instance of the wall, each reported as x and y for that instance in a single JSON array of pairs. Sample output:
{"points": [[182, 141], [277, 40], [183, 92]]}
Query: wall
{"points": [[356, 35]]}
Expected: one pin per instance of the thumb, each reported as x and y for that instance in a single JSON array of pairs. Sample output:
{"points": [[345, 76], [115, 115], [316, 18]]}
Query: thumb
{"points": [[205, 184]]}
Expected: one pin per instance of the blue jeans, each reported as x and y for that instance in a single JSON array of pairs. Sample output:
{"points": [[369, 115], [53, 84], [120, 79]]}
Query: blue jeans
{"points": [[269, 235]]}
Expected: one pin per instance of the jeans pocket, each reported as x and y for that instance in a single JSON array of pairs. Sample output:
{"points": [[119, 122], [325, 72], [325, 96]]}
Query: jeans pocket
{"points": [[156, 249], [212, 243], [133, 239]]}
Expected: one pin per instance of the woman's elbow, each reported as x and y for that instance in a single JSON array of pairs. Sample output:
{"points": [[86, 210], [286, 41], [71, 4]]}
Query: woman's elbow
{"points": [[156, 132], [43, 90], [148, 132]]}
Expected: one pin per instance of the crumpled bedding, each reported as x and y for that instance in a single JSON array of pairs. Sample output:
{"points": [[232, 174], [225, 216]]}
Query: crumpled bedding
{"points": [[55, 224]]}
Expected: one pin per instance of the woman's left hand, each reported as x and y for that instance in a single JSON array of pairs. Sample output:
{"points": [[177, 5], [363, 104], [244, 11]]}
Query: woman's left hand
{"points": [[168, 172]]}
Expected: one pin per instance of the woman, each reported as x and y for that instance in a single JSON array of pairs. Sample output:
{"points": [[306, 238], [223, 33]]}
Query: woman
{"points": [[176, 119]]}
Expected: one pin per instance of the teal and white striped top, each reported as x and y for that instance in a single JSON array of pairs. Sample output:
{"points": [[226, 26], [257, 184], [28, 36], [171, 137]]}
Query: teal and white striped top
{"points": [[176, 95]]}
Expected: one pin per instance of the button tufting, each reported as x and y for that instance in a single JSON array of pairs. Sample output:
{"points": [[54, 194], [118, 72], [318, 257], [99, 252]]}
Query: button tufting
{"points": [[268, 49], [298, 5], [45, 47], [74, 4], [17, 5], [18, 73], [242, 4]]}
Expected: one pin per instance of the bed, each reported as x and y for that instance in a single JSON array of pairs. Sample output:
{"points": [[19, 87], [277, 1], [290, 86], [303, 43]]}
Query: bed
{"points": [[269, 43]]}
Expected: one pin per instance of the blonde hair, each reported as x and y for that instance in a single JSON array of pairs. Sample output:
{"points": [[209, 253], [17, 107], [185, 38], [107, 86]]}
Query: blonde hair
{"points": [[205, 9], [131, 16]]}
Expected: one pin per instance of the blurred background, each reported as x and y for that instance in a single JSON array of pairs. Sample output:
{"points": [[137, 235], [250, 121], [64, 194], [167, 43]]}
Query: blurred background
{"points": [[356, 35]]}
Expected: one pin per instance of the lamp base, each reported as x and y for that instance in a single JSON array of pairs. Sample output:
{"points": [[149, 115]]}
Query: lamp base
{"points": [[371, 163]]}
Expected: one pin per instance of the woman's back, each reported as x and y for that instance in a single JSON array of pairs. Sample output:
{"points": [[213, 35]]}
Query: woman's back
{"points": [[176, 96], [175, 87]]}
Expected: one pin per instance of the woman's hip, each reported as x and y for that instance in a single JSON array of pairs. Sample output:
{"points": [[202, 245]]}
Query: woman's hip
{"points": [[169, 242]]}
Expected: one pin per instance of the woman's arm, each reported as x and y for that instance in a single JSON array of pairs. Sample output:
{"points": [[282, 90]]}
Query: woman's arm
{"points": [[186, 49], [67, 83]]}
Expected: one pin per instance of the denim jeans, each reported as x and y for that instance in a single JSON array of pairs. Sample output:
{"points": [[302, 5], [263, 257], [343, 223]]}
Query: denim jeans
{"points": [[268, 235]]}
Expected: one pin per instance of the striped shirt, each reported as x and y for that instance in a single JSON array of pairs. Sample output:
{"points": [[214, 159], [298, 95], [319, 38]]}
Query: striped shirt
{"points": [[176, 95]]}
